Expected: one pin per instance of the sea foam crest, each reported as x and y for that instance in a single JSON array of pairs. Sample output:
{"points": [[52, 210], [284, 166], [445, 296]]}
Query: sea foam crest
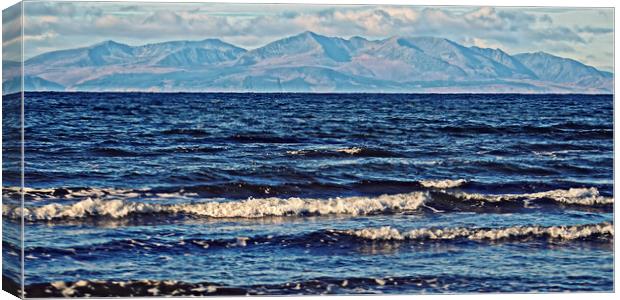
{"points": [[575, 196], [443, 184], [516, 232], [250, 208], [91, 192], [350, 151]]}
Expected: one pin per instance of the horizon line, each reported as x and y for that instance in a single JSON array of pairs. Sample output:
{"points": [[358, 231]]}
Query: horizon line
{"points": [[311, 93]]}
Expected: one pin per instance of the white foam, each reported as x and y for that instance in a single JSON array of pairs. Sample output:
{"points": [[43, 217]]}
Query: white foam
{"points": [[353, 150], [552, 232], [554, 154], [96, 193], [250, 208], [577, 196], [297, 152], [443, 184], [115, 203]]}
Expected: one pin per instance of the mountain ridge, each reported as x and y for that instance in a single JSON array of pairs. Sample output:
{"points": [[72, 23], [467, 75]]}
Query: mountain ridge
{"points": [[310, 62]]}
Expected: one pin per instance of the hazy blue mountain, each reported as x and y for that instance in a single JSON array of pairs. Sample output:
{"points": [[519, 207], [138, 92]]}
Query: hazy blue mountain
{"points": [[307, 47], [471, 63], [108, 53], [506, 60], [8, 64], [398, 59], [552, 68], [31, 83], [188, 53], [311, 62], [101, 54]]}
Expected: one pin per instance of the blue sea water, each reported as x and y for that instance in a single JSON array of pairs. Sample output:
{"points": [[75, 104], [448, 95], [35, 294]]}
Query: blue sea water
{"points": [[315, 193]]}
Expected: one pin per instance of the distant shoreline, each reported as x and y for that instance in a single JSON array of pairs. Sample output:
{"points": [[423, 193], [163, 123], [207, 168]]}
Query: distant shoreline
{"points": [[301, 93]]}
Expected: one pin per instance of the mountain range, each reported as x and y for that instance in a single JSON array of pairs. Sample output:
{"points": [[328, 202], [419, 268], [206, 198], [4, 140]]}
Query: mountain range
{"points": [[307, 62]]}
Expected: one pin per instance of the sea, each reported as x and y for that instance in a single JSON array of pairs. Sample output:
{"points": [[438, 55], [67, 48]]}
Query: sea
{"points": [[176, 194]]}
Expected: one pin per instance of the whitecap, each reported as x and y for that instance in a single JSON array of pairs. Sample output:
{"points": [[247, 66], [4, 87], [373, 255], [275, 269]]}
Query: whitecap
{"points": [[443, 184], [353, 150], [574, 196], [552, 232], [250, 208]]}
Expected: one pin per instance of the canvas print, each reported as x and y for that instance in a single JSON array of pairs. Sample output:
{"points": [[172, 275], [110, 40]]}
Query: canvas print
{"points": [[213, 149]]}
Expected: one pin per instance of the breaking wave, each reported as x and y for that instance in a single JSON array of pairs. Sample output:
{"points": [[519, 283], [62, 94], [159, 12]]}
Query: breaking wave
{"points": [[443, 184], [74, 193], [344, 239], [92, 192], [130, 288], [315, 286], [573, 196], [119, 203], [251, 208], [590, 231], [351, 151]]}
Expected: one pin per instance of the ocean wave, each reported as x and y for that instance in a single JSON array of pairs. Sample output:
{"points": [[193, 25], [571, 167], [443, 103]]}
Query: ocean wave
{"points": [[350, 151], [443, 184], [119, 203], [250, 208], [602, 230], [345, 240], [574, 196], [130, 288], [195, 132], [342, 285], [115, 152], [316, 286], [555, 154], [192, 149], [263, 139], [231, 190], [93, 192], [560, 128]]}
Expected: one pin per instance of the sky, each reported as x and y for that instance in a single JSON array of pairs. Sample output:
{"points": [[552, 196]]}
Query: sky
{"points": [[584, 34]]}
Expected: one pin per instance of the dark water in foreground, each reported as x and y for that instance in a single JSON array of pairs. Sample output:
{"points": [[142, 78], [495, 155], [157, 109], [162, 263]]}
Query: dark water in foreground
{"points": [[294, 193]]}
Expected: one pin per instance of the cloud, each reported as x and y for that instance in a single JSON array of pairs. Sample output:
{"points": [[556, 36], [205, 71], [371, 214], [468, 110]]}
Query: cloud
{"points": [[131, 8], [61, 9], [51, 8], [481, 43], [562, 47], [11, 33], [545, 19], [594, 30], [164, 17]]}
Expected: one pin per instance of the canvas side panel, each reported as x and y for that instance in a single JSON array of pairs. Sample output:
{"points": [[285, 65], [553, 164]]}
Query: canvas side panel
{"points": [[12, 152]]}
